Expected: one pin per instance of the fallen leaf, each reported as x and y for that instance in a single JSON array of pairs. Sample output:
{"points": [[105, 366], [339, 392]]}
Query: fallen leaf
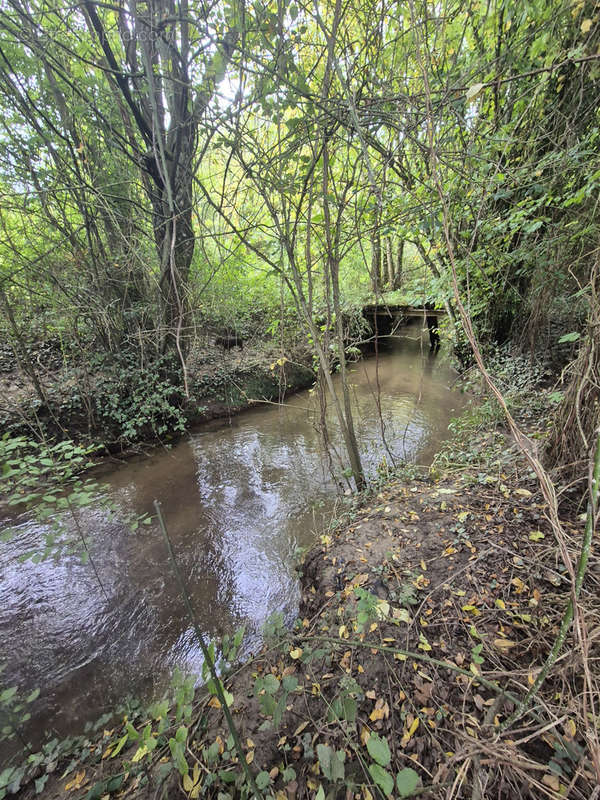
{"points": [[504, 644], [300, 728], [409, 733], [381, 711], [77, 782], [551, 781]]}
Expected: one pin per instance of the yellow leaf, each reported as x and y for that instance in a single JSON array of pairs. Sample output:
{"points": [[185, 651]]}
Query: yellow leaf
{"points": [[249, 756], [523, 492], [77, 782], [107, 752], [367, 794], [500, 603], [214, 702], [139, 753], [381, 711], [296, 652], [586, 25], [570, 729], [410, 732], [188, 783], [195, 793], [504, 644], [300, 728]]}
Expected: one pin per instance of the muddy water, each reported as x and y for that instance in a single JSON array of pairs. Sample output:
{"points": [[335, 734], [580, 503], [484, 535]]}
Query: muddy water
{"points": [[239, 498]]}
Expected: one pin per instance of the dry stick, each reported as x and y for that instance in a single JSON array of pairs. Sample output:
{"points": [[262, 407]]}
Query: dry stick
{"points": [[207, 656], [421, 657], [568, 615]]}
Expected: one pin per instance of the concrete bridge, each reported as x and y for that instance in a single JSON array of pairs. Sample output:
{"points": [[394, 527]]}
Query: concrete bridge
{"points": [[385, 319]]}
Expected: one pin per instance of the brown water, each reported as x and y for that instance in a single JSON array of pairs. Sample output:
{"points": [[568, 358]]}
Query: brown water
{"points": [[239, 497]]}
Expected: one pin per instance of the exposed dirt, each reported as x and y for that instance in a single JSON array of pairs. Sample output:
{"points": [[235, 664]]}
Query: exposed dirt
{"points": [[423, 618]]}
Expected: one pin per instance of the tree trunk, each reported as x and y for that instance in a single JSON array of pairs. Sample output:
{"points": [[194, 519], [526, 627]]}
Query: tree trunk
{"points": [[376, 261], [389, 261], [397, 284]]}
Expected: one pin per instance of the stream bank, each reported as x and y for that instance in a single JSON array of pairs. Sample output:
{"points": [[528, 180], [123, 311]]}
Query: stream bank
{"points": [[121, 407], [426, 612]]}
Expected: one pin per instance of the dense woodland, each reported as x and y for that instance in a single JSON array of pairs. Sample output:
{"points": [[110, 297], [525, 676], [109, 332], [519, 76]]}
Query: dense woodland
{"points": [[175, 171], [183, 177]]}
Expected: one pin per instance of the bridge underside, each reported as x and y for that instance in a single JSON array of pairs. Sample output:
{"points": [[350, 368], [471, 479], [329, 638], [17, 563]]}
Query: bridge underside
{"points": [[385, 319]]}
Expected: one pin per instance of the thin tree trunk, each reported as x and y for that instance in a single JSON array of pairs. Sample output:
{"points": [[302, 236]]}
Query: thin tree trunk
{"points": [[397, 284], [390, 261], [376, 260]]}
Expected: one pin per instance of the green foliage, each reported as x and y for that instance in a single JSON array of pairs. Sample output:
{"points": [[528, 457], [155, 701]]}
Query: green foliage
{"points": [[139, 401], [14, 713], [379, 749], [45, 478], [407, 780], [332, 762]]}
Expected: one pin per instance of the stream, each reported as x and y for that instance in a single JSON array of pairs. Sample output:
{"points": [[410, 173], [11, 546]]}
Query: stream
{"points": [[239, 498]]}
